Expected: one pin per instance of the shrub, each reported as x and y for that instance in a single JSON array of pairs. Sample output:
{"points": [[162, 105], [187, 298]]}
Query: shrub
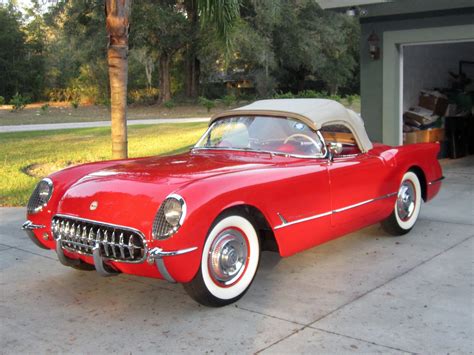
{"points": [[169, 104], [146, 96], [19, 102], [2, 100], [286, 95], [208, 104], [44, 108], [335, 98], [229, 100], [352, 98], [311, 94], [75, 103]]}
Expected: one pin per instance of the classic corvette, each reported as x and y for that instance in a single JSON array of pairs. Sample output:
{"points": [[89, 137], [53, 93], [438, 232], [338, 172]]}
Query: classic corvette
{"points": [[281, 175]]}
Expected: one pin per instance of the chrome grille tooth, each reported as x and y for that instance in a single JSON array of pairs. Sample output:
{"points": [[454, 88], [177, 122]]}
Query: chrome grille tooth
{"points": [[122, 251], [104, 243], [131, 247], [114, 252]]}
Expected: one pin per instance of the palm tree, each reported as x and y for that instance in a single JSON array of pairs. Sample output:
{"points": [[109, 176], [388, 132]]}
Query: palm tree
{"points": [[221, 13], [117, 24]]}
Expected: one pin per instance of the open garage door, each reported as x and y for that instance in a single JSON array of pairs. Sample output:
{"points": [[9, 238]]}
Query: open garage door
{"points": [[437, 95]]}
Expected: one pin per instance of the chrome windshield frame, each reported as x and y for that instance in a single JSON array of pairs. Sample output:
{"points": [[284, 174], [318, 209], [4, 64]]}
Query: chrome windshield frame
{"points": [[323, 155]]}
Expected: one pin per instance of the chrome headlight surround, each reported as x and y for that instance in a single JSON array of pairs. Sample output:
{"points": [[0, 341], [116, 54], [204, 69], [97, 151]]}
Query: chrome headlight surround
{"points": [[40, 196], [169, 218]]}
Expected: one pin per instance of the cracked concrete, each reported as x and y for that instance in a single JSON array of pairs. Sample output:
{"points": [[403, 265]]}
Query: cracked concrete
{"points": [[363, 293]]}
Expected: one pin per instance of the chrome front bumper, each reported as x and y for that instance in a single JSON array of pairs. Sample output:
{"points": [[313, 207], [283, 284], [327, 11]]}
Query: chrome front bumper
{"points": [[154, 255]]}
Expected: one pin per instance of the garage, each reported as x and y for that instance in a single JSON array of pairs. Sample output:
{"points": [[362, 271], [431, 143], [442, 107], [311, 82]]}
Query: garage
{"points": [[411, 51], [437, 85]]}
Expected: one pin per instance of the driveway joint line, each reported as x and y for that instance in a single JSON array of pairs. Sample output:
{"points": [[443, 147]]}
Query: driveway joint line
{"points": [[32, 252], [271, 316], [390, 280], [447, 222], [362, 340]]}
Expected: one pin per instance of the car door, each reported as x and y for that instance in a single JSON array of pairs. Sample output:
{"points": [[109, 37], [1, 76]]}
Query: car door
{"points": [[360, 193]]}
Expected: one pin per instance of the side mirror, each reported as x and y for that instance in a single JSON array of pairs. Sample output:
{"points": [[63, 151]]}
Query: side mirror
{"points": [[334, 149]]}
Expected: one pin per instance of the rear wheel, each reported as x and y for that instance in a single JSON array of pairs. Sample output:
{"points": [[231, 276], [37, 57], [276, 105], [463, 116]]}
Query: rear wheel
{"points": [[229, 262], [407, 206]]}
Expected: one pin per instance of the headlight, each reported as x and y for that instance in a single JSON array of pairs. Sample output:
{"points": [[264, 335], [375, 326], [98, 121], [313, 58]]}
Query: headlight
{"points": [[40, 196], [169, 217]]}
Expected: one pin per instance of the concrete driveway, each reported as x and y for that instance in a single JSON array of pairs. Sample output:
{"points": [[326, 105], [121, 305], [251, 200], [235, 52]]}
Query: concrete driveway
{"points": [[366, 293]]}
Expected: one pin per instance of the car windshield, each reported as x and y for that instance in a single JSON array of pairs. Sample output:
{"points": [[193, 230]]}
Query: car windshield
{"points": [[262, 133]]}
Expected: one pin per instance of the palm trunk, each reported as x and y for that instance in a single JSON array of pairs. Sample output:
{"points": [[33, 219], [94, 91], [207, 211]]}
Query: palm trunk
{"points": [[165, 78], [117, 23]]}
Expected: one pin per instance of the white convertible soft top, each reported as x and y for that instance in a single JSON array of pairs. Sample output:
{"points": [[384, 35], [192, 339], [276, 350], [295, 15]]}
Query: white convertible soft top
{"points": [[313, 112]]}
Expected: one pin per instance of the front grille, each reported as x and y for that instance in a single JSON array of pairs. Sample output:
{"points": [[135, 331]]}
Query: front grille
{"points": [[115, 242]]}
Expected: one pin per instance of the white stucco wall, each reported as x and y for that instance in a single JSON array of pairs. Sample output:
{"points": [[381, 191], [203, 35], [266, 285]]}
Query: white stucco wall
{"points": [[427, 67]]}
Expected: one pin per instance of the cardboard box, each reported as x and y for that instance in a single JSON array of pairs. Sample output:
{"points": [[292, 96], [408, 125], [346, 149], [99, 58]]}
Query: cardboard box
{"points": [[424, 136], [433, 101]]}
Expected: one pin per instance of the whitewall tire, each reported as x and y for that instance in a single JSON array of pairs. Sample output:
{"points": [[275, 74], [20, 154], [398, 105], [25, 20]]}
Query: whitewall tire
{"points": [[229, 262], [407, 206]]}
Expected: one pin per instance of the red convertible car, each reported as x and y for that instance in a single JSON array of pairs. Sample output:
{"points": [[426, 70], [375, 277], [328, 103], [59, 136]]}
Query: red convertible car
{"points": [[282, 175]]}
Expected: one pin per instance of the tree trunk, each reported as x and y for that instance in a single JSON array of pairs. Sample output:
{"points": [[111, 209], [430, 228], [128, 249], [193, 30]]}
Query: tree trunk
{"points": [[193, 73], [192, 63], [117, 24], [165, 78]]}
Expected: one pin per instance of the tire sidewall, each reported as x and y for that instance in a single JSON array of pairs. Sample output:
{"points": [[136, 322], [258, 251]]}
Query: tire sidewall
{"points": [[408, 224], [237, 289]]}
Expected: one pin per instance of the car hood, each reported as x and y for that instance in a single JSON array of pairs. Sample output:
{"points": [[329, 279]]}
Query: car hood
{"points": [[122, 191]]}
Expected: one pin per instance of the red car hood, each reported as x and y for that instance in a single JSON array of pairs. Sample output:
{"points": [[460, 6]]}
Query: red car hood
{"points": [[121, 191]]}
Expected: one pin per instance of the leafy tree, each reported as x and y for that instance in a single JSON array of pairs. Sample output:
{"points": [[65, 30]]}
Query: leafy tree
{"points": [[160, 28]]}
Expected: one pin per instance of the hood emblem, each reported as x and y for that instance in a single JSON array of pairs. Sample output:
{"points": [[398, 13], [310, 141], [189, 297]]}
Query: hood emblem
{"points": [[94, 205]]}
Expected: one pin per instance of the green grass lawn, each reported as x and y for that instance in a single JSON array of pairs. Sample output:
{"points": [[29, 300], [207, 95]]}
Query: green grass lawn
{"points": [[25, 157]]}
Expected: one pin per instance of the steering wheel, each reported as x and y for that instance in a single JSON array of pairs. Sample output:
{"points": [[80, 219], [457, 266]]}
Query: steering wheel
{"points": [[301, 135]]}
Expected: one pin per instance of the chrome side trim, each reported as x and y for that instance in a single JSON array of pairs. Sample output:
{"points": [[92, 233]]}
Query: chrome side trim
{"points": [[156, 254], [287, 224], [304, 220], [364, 202], [436, 181], [28, 225]]}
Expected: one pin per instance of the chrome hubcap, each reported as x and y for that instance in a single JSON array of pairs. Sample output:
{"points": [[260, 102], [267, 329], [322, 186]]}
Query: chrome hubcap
{"points": [[406, 200], [228, 256]]}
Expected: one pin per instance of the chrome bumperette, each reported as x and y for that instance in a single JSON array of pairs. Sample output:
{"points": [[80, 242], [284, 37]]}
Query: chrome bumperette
{"points": [[29, 227], [113, 242], [156, 255], [328, 213]]}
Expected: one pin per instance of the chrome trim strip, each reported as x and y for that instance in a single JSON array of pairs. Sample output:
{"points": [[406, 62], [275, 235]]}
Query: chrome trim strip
{"points": [[364, 202], [436, 181], [28, 225], [304, 220], [333, 211]]}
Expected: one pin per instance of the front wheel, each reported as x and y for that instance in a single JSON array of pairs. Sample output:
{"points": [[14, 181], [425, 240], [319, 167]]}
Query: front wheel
{"points": [[229, 262], [407, 206]]}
